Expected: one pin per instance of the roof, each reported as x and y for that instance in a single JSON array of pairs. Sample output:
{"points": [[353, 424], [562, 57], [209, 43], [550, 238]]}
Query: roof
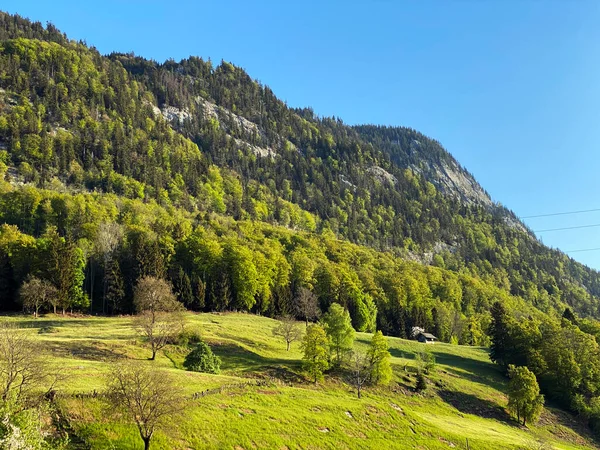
{"points": [[428, 335]]}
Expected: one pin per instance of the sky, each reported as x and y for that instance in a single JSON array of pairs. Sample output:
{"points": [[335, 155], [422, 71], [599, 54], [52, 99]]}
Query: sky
{"points": [[510, 88]]}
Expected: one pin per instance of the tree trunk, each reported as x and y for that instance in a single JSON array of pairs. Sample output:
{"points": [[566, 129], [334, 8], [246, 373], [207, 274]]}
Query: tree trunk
{"points": [[153, 355], [147, 442], [288, 346]]}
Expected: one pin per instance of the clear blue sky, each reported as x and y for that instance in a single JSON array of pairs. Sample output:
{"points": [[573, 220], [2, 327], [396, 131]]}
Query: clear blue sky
{"points": [[510, 88]]}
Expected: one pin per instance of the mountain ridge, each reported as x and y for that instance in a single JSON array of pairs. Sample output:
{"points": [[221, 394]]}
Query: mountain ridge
{"points": [[224, 143]]}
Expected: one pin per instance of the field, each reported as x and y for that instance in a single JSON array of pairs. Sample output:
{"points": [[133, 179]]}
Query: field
{"points": [[266, 403]]}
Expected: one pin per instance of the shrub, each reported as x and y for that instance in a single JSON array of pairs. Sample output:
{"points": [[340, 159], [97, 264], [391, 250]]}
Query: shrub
{"points": [[202, 359], [189, 337], [421, 382]]}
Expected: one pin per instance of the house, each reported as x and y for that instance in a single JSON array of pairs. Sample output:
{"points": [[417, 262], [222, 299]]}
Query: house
{"points": [[426, 338]]}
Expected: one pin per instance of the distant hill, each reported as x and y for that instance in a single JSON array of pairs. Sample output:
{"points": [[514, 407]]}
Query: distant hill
{"points": [[209, 147]]}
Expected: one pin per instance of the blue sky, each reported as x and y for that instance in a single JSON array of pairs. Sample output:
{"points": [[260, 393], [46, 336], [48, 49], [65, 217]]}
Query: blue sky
{"points": [[510, 88]]}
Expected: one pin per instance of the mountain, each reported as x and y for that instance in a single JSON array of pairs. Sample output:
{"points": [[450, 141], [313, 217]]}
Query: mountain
{"points": [[206, 172]]}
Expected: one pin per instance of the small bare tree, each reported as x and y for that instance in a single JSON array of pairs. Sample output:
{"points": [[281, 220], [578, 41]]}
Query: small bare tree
{"points": [[288, 329], [22, 369], [36, 293], [146, 395], [360, 366], [160, 319], [307, 305]]}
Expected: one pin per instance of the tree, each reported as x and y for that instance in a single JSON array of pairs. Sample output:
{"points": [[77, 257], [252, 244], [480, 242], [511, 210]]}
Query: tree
{"points": [[158, 320], [66, 265], [421, 382], [244, 276], [154, 295], [338, 327], [500, 335], [25, 380], [288, 329], [115, 289], [202, 359], [425, 361], [524, 398], [108, 238], [361, 367], [147, 396], [315, 347], [379, 359], [307, 305], [568, 315], [36, 294]]}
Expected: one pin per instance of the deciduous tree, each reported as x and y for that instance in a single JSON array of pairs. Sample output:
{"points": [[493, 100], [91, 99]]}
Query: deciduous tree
{"points": [[338, 327], [36, 294], [524, 398], [158, 319], [147, 396], [315, 347], [288, 329], [379, 359]]}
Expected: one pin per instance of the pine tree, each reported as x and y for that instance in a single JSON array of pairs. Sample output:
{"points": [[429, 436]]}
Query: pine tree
{"points": [[500, 335]]}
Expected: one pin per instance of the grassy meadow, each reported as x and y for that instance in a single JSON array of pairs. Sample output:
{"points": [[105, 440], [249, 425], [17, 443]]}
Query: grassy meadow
{"points": [[267, 403]]}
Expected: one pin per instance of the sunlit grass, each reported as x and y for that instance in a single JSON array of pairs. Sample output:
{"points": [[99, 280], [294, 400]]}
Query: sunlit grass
{"points": [[465, 400]]}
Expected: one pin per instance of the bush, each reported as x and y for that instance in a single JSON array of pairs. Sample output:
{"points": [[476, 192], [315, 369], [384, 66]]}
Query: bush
{"points": [[421, 382], [202, 359], [189, 337]]}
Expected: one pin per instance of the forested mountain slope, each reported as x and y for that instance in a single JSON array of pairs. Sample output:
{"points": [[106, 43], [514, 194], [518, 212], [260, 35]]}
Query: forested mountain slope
{"points": [[241, 201]]}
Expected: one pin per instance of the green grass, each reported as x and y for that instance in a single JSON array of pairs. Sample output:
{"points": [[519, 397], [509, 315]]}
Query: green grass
{"points": [[465, 400]]}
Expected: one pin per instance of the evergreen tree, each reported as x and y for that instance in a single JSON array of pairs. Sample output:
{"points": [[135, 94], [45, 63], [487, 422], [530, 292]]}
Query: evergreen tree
{"points": [[499, 332]]}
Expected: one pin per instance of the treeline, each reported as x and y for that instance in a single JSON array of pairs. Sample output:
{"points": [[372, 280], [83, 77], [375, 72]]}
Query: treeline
{"points": [[562, 353], [94, 247], [74, 120]]}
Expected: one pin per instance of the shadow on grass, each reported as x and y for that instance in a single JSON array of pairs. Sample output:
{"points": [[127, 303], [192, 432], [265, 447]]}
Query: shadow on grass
{"points": [[90, 351], [237, 359], [42, 323], [470, 404], [471, 369]]}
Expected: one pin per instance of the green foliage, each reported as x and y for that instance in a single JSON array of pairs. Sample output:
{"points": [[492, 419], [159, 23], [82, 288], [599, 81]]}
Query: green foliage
{"points": [[500, 334], [425, 360], [240, 202], [315, 348], [379, 359], [524, 398], [421, 382], [202, 359], [338, 327], [23, 428]]}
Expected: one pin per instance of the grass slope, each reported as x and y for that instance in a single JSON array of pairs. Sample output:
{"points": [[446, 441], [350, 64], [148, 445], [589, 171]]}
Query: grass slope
{"points": [[465, 400]]}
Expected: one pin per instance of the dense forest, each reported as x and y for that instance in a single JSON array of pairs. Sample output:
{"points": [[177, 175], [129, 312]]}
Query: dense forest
{"points": [[116, 167]]}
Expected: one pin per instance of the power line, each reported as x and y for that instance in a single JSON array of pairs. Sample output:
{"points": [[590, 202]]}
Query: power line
{"points": [[583, 250], [569, 228], [561, 213]]}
